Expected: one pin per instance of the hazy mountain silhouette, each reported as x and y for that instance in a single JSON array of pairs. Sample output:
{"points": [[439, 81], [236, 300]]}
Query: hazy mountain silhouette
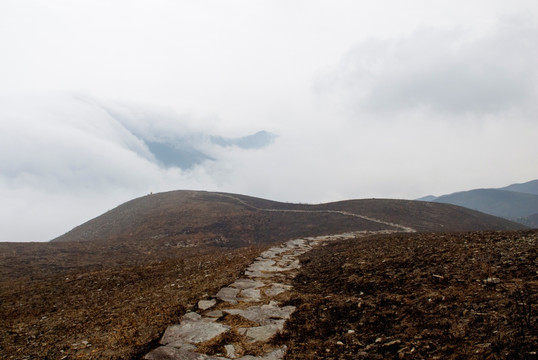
{"points": [[517, 202], [180, 155], [255, 141], [530, 187]]}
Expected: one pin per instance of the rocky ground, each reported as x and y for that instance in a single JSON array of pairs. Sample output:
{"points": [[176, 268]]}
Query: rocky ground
{"points": [[114, 305], [241, 320], [417, 296]]}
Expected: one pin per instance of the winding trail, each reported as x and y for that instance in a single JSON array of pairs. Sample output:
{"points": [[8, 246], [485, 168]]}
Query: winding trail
{"points": [[345, 213], [242, 318]]}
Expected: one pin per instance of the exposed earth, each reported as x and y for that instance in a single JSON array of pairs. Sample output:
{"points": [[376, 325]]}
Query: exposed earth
{"points": [[111, 288], [418, 296], [241, 320]]}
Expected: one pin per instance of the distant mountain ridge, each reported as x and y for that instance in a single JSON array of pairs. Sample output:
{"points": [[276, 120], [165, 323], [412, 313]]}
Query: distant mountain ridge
{"points": [[530, 187], [516, 202]]}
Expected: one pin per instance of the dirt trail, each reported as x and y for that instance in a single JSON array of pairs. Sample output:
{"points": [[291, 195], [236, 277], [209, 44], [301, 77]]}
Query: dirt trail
{"points": [[345, 213]]}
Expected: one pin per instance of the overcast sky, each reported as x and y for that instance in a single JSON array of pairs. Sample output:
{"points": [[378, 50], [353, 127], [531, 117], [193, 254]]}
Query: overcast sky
{"points": [[393, 99]]}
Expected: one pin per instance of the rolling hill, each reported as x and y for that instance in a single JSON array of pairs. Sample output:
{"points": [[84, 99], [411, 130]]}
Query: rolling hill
{"points": [[187, 217]]}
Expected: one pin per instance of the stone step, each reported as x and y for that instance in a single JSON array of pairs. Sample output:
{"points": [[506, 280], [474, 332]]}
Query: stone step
{"points": [[265, 279]]}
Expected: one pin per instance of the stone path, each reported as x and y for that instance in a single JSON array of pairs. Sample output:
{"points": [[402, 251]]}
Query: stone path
{"points": [[247, 313]]}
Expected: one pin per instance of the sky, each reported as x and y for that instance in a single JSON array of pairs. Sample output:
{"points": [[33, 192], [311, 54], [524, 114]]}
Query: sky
{"points": [[391, 99]]}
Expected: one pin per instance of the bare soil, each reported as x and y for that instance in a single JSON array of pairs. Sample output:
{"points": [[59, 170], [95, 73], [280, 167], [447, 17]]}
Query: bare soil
{"points": [[418, 296], [237, 220], [109, 288], [107, 302]]}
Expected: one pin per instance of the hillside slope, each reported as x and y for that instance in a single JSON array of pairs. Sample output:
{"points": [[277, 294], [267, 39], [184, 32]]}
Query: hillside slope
{"points": [[516, 202], [529, 187], [507, 204], [188, 217], [417, 296]]}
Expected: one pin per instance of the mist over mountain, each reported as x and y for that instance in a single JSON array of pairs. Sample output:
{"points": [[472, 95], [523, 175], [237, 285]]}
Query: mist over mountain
{"points": [[185, 153], [181, 155], [255, 141], [172, 143]]}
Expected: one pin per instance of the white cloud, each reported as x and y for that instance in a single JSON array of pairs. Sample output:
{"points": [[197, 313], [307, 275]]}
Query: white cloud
{"points": [[441, 71], [432, 97]]}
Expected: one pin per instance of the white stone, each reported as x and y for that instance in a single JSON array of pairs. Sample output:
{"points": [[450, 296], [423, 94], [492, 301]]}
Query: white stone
{"points": [[250, 295], [264, 332], [206, 304], [170, 353], [276, 289], [191, 316], [247, 284], [262, 314], [214, 314], [277, 354], [230, 351], [193, 332], [228, 294]]}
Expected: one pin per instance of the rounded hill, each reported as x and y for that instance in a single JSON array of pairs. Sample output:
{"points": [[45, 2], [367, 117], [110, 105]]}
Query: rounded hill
{"points": [[194, 217]]}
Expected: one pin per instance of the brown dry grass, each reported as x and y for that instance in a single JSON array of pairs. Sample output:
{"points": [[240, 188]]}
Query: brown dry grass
{"points": [[110, 308], [418, 296], [234, 219], [112, 286]]}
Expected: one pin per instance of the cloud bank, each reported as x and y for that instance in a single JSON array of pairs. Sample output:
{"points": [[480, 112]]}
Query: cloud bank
{"points": [[102, 102], [66, 158], [442, 71]]}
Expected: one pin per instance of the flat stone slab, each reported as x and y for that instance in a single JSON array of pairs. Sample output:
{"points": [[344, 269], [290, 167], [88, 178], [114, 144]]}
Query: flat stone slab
{"points": [[192, 332], [230, 351], [297, 243], [265, 267], [214, 314], [250, 295], [247, 284], [287, 266], [170, 353], [276, 289], [271, 253], [206, 304], [263, 314], [228, 294], [191, 316], [262, 333], [258, 274], [277, 354]]}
